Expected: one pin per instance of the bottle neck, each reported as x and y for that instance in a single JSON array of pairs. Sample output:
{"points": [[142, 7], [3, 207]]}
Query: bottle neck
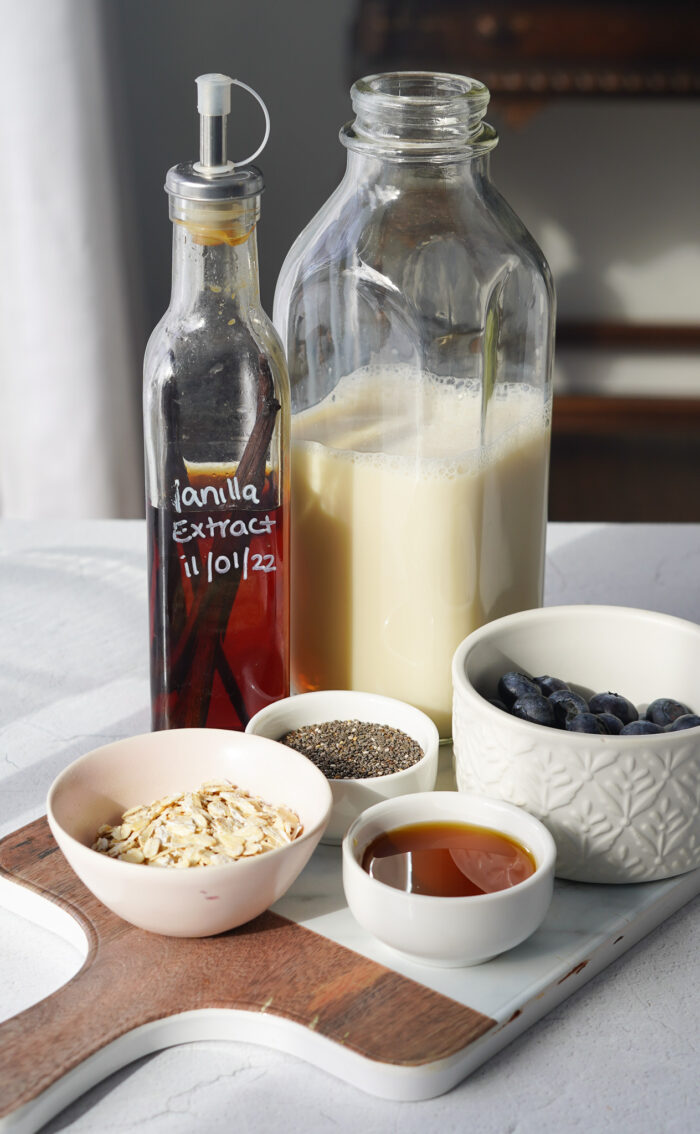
{"points": [[365, 167], [212, 258], [420, 118]]}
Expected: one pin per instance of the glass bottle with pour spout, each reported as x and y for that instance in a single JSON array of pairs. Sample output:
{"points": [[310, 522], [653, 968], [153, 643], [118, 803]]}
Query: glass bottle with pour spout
{"points": [[417, 315], [216, 424]]}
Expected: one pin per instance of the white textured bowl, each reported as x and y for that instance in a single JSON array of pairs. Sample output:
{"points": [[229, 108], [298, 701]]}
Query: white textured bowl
{"points": [[350, 797], [450, 932], [202, 900], [621, 808]]}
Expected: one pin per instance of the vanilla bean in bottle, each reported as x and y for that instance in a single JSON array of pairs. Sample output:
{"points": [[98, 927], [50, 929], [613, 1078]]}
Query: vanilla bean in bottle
{"points": [[216, 413]]}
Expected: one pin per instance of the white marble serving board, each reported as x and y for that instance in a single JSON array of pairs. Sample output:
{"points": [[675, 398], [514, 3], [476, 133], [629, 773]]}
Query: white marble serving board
{"points": [[587, 927]]}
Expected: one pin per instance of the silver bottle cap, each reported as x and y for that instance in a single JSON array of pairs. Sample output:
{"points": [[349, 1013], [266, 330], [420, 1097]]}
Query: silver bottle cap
{"points": [[186, 181]]}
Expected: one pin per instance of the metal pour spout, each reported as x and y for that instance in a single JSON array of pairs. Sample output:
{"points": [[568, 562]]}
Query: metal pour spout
{"points": [[214, 106]]}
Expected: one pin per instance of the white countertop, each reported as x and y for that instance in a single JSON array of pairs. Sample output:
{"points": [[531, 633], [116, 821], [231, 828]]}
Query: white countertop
{"points": [[621, 1054]]}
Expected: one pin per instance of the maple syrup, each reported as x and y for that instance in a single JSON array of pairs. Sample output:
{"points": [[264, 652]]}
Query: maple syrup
{"points": [[447, 859]]}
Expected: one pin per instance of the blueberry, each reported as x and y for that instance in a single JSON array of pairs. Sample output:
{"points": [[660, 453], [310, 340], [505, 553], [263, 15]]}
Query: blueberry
{"points": [[535, 708], [640, 728], [548, 685], [513, 685], [614, 703], [688, 720], [585, 722], [567, 704], [612, 723], [664, 710]]}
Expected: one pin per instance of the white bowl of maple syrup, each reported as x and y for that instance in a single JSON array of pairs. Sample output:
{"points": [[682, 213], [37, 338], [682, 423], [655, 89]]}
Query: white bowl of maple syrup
{"points": [[448, 878]]}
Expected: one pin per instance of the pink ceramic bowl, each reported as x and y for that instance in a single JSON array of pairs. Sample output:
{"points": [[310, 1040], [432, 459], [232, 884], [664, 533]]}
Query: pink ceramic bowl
{"points": [[202, 900]]}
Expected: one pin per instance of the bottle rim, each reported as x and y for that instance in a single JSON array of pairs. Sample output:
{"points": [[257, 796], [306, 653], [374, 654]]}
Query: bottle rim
{"points": [[422, 88], [406, 114]]}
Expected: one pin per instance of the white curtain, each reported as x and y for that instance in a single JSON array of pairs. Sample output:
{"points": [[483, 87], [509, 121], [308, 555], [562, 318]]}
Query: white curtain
{"points": [[70, 432]]}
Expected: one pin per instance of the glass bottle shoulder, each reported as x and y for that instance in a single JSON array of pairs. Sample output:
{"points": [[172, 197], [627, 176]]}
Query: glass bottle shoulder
{"points": [[424, 268], [417, 206], [322, 240], [407, 234]]}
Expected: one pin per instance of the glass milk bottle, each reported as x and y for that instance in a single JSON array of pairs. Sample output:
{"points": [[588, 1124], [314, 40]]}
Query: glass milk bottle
{"points": [[417, 316], [216, 422]]}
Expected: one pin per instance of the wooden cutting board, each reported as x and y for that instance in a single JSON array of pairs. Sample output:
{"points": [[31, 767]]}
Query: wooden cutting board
{"points": [[271, 980]]}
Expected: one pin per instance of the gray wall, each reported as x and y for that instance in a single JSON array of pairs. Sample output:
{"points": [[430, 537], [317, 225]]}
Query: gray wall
{"points": [[294, 54]]}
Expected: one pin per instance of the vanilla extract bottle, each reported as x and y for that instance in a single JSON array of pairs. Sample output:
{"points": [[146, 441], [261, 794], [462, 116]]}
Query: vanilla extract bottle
{"points": [[216, 421]]}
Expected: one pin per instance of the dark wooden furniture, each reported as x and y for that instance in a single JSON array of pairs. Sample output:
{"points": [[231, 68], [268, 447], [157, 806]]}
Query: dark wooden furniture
{"points": [[625, 459], [536, 50]]}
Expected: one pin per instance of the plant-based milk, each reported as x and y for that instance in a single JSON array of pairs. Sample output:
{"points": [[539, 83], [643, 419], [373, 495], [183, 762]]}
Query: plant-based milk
{"points": [[418, 515]]}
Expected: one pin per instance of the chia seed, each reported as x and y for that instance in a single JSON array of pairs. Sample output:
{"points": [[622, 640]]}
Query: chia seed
{"points": [[354, 750]]}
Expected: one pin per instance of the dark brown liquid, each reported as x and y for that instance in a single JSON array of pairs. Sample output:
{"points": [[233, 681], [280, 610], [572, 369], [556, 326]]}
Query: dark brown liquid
{"points": [[219, 638], [447, 860]]}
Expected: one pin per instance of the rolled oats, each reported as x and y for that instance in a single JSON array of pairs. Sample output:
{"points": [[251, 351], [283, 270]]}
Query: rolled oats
{"points": [[217, 823]]}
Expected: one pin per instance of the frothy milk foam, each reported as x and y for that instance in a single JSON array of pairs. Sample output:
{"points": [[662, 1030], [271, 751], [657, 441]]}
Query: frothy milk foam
{"points": [[408, 532]]}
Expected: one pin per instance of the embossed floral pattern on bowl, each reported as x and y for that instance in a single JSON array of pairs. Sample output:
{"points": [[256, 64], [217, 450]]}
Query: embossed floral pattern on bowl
{"points": [[620, 808]]}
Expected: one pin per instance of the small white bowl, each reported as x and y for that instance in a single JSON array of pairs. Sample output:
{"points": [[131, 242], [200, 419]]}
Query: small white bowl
{"points": [[621, 808], [201, 900], [449, 932], [350, 797]]}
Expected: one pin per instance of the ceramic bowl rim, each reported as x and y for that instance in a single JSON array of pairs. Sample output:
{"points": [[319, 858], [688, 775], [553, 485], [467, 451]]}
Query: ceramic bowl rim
{"points": [[173, 876], [464, 688], [467, 901], [429, 753]]}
